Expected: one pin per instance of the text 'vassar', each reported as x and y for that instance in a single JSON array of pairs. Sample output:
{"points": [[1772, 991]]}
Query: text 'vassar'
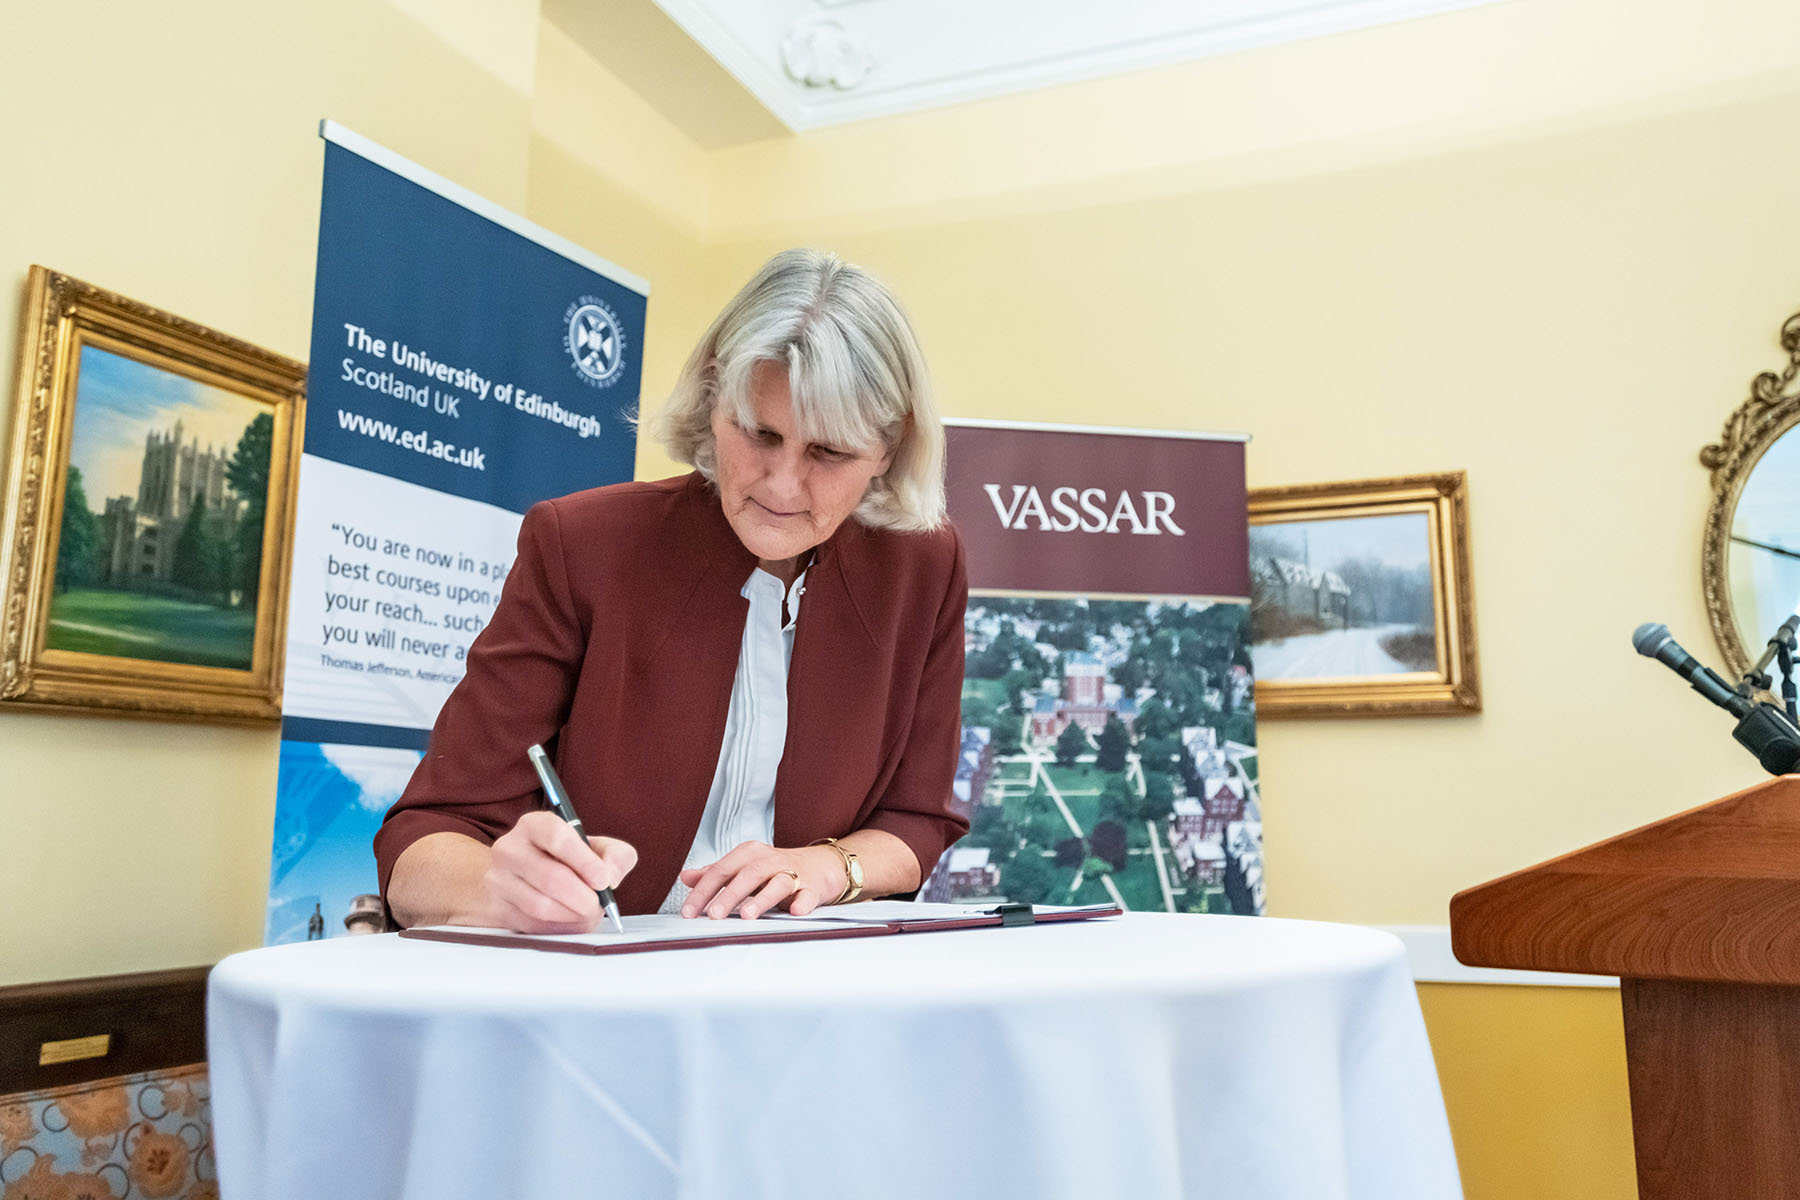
{"points": [[1094, 514]]}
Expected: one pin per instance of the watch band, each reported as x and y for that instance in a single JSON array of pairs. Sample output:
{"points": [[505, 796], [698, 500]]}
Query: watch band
{"points": [[853, 873]]}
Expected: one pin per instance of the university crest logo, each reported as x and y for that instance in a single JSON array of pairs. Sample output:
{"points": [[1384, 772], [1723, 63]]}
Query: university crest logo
{"points": [[595, 341]]}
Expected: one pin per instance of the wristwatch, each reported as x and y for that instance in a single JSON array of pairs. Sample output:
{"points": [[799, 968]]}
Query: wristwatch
{"points": [[853, 873]]}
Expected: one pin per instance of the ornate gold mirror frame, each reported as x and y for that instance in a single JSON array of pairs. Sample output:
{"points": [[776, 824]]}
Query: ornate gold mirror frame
{"points": [[1750, 561]]}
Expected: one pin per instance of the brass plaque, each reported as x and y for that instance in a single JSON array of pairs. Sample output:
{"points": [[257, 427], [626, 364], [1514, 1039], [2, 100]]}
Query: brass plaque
{"points": [[74, 1049]]}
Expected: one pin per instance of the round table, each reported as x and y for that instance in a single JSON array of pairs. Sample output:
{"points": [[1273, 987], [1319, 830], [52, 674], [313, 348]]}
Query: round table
{"points": [[1146, 1056]]}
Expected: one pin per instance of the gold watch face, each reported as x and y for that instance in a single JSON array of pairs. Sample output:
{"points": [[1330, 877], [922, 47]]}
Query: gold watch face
{"points": [[855, 867]]}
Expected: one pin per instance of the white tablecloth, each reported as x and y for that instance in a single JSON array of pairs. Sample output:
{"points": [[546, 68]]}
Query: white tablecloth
{"points": [[1147, 1057]]}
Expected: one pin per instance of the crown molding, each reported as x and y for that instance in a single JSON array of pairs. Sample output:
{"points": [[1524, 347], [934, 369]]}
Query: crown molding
{"points": [[932, 53]]}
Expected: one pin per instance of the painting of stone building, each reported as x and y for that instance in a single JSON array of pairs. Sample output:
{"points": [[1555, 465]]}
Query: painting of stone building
{"points": [[179, 477], [159, 554], [1318, 596]]}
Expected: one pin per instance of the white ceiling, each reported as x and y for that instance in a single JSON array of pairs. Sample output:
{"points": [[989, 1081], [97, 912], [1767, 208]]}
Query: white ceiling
{"points": [[824, 62]]}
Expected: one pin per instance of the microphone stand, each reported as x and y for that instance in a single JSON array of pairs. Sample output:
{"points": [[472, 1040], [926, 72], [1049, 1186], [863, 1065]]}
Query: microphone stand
{"points": [[1784, 659], [1766, 730]]}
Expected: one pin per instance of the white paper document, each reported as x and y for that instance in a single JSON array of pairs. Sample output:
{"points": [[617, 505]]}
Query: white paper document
{"points": [[889, 912], [653, 927]]}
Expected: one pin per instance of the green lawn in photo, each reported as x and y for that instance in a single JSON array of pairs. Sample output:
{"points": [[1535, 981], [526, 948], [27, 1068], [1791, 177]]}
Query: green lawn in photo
{"points": [[1072, 782], [984, 689], [1091, 891], [1138, 884], [1085, 809], [1036, 818], [159, 628], [1082, 777], [1014, 774]]}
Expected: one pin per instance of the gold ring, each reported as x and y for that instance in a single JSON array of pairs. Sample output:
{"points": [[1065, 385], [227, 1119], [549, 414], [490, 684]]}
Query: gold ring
{"points": [[794, 875]]}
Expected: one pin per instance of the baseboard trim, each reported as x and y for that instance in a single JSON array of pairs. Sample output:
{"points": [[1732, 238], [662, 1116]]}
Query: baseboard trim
{"points": [[149, 1022]]}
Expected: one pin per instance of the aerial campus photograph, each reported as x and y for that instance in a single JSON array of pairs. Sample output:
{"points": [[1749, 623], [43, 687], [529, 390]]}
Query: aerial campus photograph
{"points": [[1108, 756]]}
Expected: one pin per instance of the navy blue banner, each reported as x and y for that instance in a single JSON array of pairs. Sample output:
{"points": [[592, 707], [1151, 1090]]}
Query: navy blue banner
{"points": [[456, 353], [465, 365]]}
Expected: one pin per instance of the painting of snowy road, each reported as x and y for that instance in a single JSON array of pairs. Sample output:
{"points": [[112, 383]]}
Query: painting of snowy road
{"points": [[1342, 598], [1361, 598]]}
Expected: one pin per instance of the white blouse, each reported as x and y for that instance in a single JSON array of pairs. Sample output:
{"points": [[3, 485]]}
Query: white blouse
{"points": [[740, 807]]}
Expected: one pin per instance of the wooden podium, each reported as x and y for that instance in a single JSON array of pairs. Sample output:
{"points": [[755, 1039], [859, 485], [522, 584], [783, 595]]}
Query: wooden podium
{"points": [[1699, 916]]}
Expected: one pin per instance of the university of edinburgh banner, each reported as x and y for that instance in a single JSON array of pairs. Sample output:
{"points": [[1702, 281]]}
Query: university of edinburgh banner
{"points": [[465, 364], [1109, 725]]}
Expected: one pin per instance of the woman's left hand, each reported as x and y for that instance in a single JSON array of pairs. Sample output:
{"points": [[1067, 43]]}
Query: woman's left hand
{"points": [[756, 877]]}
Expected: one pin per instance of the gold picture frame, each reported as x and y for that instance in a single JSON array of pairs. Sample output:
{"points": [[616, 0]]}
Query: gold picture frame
{"points": [[1361, 602], [149, 512]]}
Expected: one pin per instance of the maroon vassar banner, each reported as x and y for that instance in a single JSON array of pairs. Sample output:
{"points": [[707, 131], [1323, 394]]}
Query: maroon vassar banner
{"points": [[1109, 733], [1050, 509]]}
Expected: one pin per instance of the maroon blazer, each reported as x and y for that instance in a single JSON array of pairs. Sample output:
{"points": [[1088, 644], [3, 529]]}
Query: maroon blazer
{"points": [[615, 644]]}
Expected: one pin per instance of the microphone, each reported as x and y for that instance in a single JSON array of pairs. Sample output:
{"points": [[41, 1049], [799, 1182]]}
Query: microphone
{"points": [[1762, 729], [1652, 640]]}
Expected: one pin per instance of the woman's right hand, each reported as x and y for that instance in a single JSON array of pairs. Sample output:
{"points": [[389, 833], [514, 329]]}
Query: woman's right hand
{"points": [[542, 875]]}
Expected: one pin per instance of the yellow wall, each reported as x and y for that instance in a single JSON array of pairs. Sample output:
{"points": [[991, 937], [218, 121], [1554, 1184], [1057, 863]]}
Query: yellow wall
{"points": [[1393, 252], [1568, 314], [1568, 317], [1548, 244], [175, 159], [1534, 1082]]}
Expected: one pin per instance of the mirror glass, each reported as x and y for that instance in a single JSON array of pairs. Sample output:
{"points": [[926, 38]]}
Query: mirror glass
{"points": [[1763, 561]]}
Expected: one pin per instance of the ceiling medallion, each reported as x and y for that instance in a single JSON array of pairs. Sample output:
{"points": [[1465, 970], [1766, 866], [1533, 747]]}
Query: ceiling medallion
{"points": [[818, 52]]}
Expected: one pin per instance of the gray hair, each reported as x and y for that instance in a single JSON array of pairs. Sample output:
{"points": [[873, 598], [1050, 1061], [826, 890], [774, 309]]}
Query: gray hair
{"points": [[854, 368]]}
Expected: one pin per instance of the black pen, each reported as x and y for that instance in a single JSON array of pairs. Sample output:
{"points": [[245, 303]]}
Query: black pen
{"points": [[559, 800]]}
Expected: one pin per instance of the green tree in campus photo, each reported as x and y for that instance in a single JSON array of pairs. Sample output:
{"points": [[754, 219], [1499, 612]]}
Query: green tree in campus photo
{"points": [[1107, 613], [1043, 822], [989, 826], [248, 472], [1109, 845], [1238, 893], [1021, 687], [1069, 744], [1158, 753], [999, 719], [980, 712], [78, 550], [1006, 733], [1118, 800], [1008, 651], [1113, 744], [1185, 695], [249, 477], [202, 557], [1159, 796], [1027, 878], [1131, 675], [1239, 727], [1156, 721]]}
